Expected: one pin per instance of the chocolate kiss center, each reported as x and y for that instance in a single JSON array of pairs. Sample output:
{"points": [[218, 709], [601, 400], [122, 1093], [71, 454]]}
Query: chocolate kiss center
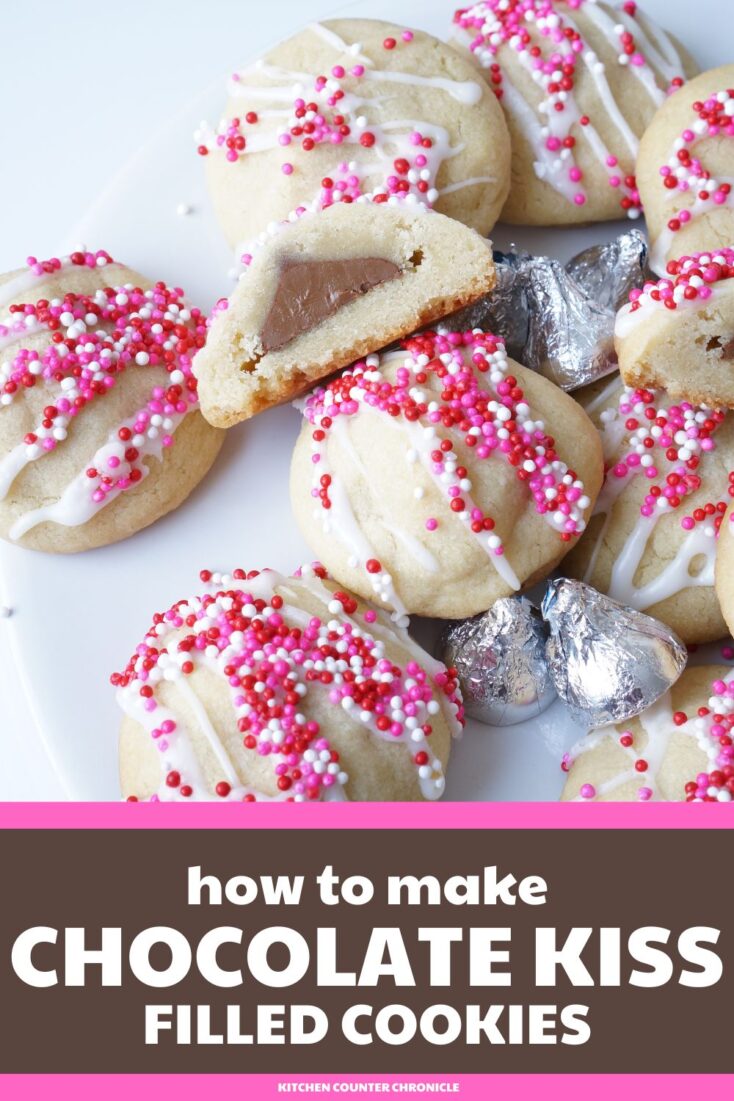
{"points": [[309, 291]]}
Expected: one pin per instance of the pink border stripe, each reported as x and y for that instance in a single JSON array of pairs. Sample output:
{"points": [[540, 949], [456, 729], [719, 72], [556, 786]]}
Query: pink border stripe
{"points": [[366, 815], [262, 1087]]}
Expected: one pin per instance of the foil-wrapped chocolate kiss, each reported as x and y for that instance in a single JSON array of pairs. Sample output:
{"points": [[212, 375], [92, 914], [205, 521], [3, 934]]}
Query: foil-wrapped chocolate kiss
{"points": [[500, 660], [608, 662], [605, 661], [559, 320]]}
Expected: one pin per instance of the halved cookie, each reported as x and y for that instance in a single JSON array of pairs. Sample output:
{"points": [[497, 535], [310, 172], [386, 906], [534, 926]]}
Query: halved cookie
{"points": [[329, 288]]}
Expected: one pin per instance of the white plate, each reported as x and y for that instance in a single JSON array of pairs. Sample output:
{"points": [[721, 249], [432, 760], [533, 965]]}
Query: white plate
{"points": [[233, 518]]}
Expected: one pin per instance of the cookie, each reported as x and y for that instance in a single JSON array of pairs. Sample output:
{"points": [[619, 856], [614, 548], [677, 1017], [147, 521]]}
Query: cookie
{"points": [[685, 170], [441, 477], [678, 333], [579, 83], [353, 107], [651, 543], [100, 432], [328, 288], [677, 750], [267, 687]]}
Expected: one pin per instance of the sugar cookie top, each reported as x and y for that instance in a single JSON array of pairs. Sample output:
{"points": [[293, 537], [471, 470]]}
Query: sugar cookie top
{"points": [[272, 655], [77, 346], [550, 41], [355, 108]]}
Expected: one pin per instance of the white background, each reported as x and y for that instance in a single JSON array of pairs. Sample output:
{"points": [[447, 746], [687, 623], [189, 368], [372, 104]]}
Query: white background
{"points": [[82, 85]]}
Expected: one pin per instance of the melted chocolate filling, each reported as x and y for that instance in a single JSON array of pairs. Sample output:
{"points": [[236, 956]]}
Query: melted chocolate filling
{"points": [[309, 291]]}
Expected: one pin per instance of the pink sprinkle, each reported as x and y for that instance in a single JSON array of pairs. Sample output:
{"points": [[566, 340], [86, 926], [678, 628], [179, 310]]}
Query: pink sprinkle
{"points": [[587, 791]]}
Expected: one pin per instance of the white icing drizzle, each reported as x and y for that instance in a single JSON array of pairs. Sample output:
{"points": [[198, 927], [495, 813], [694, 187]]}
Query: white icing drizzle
{"points": [[674, 577], [461, 184], [388, 630], [341, 522], [492, 31], [603, 396], [604, 23], [337, 43], [11, 466], [596, 70], [548, 165], [423, 441], [366, 164], [414, 547], [76, 505], [466, 92]]}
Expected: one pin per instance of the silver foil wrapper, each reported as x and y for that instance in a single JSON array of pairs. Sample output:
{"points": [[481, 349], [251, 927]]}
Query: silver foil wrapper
{"points": [[559, 320], [608, 662], [500, 660]]}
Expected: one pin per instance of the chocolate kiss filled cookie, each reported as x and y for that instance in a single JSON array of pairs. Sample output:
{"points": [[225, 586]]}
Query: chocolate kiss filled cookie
{"points": [[328, 288], [266, 687], [651, 543], [579, 83], [100, 430], [678, 333], [353, 107], [678, 750], [685, 170], [440, 477]]}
